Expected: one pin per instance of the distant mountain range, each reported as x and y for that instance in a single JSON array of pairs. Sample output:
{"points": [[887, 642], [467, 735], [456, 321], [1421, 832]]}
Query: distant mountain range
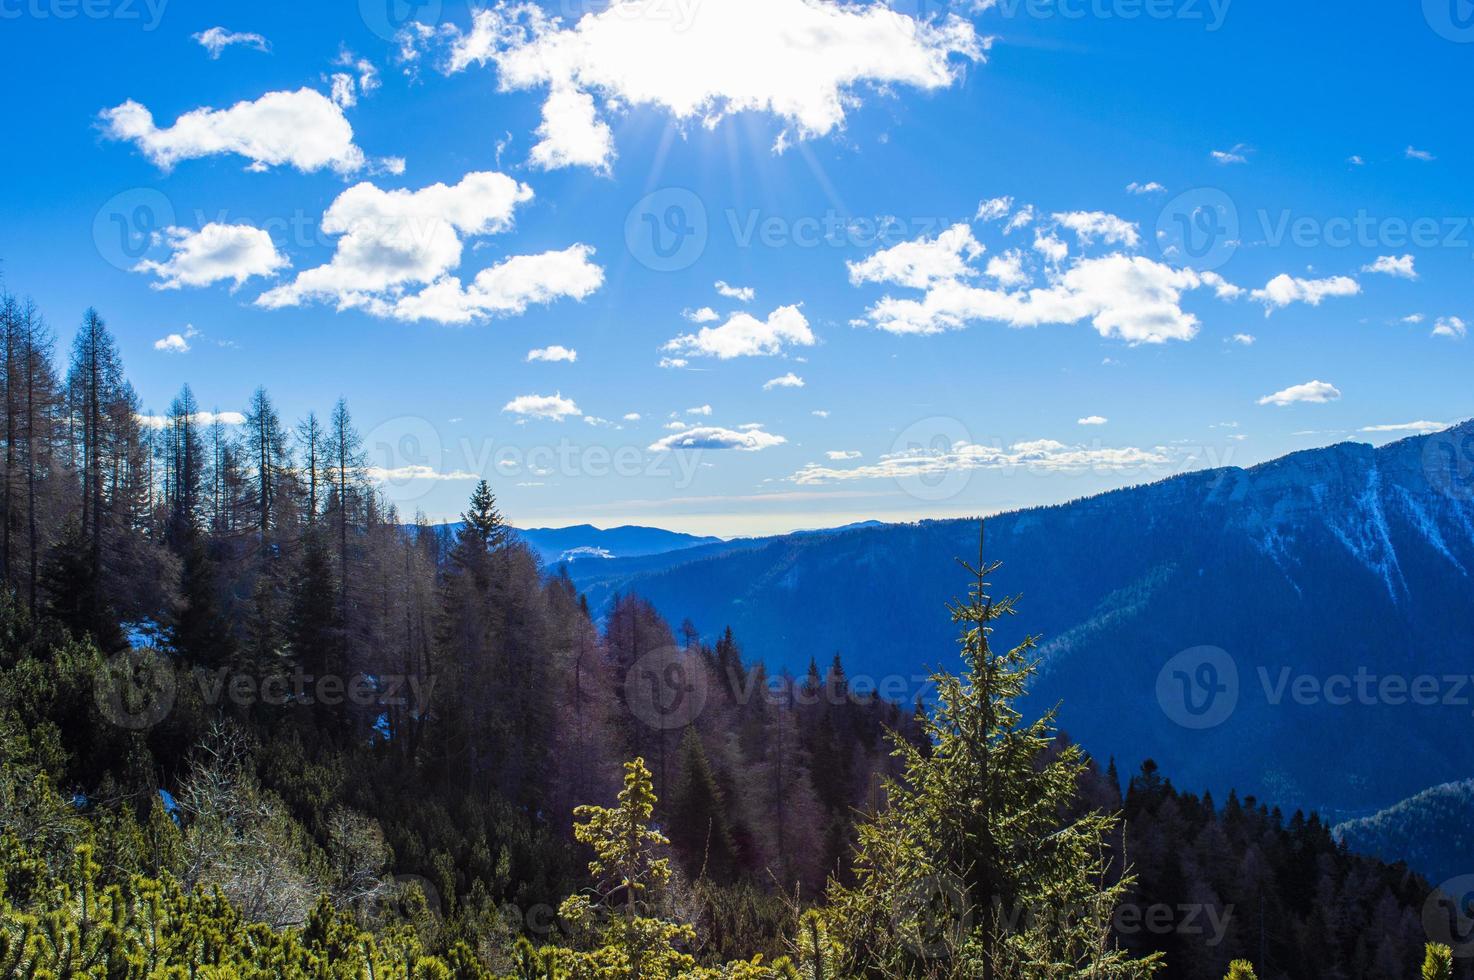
{"points": [[584, 542], [1215, 621]]}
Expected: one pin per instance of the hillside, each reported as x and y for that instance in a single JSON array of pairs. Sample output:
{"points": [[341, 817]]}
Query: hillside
{"points": [[1318, 565], [1432, 831]]}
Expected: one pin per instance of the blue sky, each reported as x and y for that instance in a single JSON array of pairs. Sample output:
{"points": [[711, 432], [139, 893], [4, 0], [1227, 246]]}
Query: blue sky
{"points": [[921, 212]]}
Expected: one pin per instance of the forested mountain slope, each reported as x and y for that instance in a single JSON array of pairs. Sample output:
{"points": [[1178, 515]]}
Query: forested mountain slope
{"points": [[1320, 564]]}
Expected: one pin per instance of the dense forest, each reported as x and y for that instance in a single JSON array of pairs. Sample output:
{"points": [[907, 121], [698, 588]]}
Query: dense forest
{"points": [[254, 722]]}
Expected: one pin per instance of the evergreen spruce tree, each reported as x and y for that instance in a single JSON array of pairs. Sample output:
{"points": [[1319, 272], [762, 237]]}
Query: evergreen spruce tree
{"points": [[973, 868], [482, 520], [699, 829]]}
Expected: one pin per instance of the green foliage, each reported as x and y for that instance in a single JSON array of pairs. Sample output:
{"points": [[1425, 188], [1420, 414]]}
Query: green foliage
{"points": [[1439, 963], [1241, 970], [976, 866]]}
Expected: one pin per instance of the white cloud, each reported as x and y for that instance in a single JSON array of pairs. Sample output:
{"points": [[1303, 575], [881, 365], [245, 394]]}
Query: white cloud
{"points": [[1021, 218], [1421, 426], [1093, 420], [673, 362], [553, 408], [1413, 153], [1132, 297], [789, 380], [1451, 327], [304, 129], [390, 240], [1414, 318], [1283, 290], [1239, 154], [1356, 161], [177, 343], [1311, 392], [217, 39], [552, 354], [921, 262], [704, 315], [745, 335], [198, 418], [1243, 339], [1008, 268], [215, 252], [803, 61], [842, 455], [1049, 245], [699, 410], [505, 289], [1040, 455], [632, 416], [994, 209], [1091, 225], [742, 294], [1393, 265], [820, 413], [748, 439], [415, 471], [1150, 187]]}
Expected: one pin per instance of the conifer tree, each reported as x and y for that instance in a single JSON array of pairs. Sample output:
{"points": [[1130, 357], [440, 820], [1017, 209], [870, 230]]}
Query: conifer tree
{"points": [[972, 869], [1438, 963], [699, 829]]}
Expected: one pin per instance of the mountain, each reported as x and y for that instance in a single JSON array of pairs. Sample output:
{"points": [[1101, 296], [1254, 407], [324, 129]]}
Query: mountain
{"points": [[582, 543], [1214, 621], [1433, 832]]}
